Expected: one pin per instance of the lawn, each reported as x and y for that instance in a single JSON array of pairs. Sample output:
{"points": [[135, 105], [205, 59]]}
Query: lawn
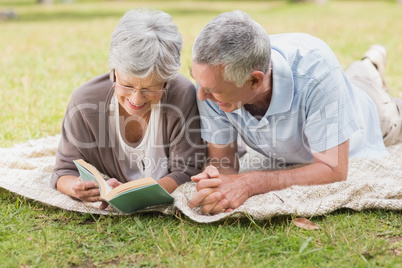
{"points": [[48, 51]]}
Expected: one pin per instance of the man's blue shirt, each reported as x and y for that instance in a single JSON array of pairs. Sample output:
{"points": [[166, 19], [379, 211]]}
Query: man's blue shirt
{"points": [[313, 108]]}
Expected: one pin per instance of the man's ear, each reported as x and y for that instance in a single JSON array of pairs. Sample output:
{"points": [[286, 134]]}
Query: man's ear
{"points": [[256, 79]]}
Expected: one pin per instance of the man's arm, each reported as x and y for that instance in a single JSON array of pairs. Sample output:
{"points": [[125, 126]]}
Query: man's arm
{"points": [[227, 192], [223, 157], [168, 184]]}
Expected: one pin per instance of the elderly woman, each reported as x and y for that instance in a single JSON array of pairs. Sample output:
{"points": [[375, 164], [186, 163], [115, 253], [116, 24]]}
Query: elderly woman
{"points": [[139, 120]]}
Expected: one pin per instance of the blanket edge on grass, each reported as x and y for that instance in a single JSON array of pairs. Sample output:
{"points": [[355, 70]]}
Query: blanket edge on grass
{"points": [[25, 169]]}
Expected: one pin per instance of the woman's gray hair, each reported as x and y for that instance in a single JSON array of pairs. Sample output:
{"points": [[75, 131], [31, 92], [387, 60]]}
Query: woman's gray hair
{"points": [[146, 42], [236, 42]]}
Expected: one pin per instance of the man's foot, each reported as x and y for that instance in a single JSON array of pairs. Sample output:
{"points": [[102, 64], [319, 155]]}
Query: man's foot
{"points": [[377, 54]]}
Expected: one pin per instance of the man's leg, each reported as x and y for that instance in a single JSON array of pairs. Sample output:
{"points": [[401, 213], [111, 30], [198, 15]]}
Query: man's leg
{"points": [[366, 76]]}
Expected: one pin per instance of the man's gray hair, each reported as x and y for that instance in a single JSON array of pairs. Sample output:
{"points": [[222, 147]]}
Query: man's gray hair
{"points": [[236, 42], [146, 42]]}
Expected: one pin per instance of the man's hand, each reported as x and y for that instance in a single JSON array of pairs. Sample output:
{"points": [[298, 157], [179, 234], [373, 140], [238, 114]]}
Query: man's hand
{"points": [[208, 195], [218, 193]]}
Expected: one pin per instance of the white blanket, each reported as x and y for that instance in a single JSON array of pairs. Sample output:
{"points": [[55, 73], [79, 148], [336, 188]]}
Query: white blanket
{"points": [[372, 184]]}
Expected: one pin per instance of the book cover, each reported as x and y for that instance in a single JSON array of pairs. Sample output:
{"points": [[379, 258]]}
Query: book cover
{"points": [[127, 197]]}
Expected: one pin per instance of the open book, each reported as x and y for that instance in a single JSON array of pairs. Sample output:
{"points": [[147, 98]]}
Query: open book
{"points": [[127, 197]]}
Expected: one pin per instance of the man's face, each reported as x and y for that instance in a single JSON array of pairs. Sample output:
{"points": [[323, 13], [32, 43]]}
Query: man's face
{"points": [[212, 86]]}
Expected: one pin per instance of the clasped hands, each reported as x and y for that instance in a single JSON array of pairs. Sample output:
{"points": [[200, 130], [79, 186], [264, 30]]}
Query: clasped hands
{"points": [[217, 192], [88, 191]]}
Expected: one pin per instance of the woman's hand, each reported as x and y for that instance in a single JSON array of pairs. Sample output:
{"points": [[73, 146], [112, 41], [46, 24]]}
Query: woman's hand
{"points": [[112, 183], [87, 191]]}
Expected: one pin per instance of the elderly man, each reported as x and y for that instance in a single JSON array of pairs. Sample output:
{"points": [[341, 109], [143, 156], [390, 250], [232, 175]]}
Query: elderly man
{"points": [[288, 98]]}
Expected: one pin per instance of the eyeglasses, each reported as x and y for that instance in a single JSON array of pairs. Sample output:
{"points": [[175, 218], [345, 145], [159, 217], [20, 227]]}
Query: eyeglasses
{"points": [[144, 91]]}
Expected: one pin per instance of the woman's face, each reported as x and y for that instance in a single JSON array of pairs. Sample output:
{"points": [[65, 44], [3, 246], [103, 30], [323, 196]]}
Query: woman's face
{"points": [[137, 95]]}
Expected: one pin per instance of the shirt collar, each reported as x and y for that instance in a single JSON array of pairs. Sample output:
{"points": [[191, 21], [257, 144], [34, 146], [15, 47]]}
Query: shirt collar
{"points": [[283, 86]]}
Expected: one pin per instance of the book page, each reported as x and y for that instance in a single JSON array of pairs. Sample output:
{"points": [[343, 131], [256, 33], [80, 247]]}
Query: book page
{"points": [[88, 172], [129, 186]]}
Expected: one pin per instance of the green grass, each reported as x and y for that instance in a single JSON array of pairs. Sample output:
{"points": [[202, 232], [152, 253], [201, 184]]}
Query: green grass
{"points": [[34, 235], [50, 50]]}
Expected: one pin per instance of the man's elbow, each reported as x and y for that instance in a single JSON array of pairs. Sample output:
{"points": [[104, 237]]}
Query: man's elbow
{"points": [[343, 177], [340, 175]]}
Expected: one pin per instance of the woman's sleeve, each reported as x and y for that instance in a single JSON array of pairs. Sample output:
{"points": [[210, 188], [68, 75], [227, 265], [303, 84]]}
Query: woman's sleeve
{"points": [[186, 148], [74, 141]]}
